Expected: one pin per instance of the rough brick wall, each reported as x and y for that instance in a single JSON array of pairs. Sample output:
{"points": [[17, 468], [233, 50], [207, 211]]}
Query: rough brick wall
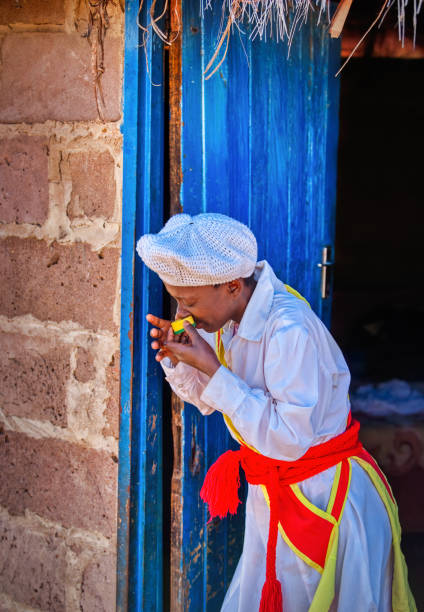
{"points": [[60, 211]]}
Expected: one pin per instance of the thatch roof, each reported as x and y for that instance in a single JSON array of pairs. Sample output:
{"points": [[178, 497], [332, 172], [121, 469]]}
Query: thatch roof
{"points": [[281, 19], [378, 21]]}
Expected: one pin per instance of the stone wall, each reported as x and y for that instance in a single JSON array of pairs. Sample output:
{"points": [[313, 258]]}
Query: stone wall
{"points": [[60, 211]]}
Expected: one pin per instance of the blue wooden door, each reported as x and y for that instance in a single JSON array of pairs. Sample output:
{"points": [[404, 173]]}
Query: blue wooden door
{"points": [[258, 141]]}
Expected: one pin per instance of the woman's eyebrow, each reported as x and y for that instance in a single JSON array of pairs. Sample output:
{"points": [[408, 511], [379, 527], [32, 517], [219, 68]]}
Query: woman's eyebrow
{"points": [[185, 298]]}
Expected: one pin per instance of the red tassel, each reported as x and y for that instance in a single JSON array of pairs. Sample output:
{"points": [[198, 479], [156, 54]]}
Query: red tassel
{"points": [[272, 596], [221, 484]]}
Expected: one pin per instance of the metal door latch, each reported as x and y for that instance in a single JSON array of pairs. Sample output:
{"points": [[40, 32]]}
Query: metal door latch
{"points": [[325, 277]]}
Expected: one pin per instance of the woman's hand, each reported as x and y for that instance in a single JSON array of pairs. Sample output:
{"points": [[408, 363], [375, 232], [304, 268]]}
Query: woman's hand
{"points": [[195, 352], [163, 333]]}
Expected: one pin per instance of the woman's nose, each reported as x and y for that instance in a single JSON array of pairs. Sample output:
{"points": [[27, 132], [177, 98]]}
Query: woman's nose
{"points": [[181, 312]]}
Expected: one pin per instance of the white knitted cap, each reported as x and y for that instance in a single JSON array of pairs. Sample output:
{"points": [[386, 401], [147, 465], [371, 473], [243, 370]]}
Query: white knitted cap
{"points": [[205, 249]]}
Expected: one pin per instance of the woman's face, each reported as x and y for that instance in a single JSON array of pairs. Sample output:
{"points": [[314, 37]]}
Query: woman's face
{"points": [[210, 306]]}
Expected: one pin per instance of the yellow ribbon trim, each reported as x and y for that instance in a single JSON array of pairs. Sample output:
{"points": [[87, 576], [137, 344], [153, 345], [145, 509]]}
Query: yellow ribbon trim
{"points": [[402, 598], [326, 588]]}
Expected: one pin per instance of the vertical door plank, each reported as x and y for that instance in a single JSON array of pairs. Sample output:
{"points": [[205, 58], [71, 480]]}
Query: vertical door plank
{"points": [[331, 138], [129, 200], [140, 559]]}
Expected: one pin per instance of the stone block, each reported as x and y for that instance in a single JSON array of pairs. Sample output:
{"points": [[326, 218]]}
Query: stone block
{"points": [[48, 76], [112, 406], [98, 588], [84, 370], [32, 567], [33, 378], [67, 483], [58, 282], [24, 190], [93, 184], [37, 12]]}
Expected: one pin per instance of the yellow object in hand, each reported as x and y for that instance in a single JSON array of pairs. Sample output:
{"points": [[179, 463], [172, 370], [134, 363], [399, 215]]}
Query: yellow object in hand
{"points": [[178, 327]]}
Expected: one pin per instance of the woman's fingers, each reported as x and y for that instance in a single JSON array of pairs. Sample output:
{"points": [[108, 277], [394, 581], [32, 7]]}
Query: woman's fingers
{"points": [[158, 336], [176, 348], [154, 320], [157, 321], [170, 336], [161, 355], [160, 333], [166, 353], [191, 331], [196, 352], [164, 339], [184, 340]]}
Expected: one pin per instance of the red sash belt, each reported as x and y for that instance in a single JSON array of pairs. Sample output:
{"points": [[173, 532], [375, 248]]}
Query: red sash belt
{"points": [[309, 532]]}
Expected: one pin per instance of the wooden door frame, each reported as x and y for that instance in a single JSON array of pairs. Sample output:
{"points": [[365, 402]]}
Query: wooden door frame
{"points": [[140, 523]]}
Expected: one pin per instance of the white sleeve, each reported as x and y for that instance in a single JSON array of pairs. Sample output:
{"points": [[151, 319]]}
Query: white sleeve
{"points": [[188, 383], [281, 421]]}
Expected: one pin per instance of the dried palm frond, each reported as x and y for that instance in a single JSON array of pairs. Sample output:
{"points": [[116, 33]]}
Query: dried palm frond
{"points": [[379, 16], [278, 19], [153, 22], [98, 23]]}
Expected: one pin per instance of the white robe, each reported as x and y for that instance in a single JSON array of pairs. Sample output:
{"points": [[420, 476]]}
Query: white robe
{"points": [[286, 390]]}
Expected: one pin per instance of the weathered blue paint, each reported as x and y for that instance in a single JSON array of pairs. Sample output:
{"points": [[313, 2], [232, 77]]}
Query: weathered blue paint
{"points": [[258, 144], [130, 108], [140, 562]]}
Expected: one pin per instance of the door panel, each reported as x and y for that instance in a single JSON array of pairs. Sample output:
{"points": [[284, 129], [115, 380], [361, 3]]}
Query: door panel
{"points": [[258, 142], [140, 582]]}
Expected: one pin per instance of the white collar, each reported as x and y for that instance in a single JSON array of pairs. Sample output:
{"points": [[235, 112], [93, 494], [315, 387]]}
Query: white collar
{"points": [[257, 311]]}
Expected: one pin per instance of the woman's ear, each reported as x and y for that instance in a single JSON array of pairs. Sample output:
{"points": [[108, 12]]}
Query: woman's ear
{"points": [[234, 288]]}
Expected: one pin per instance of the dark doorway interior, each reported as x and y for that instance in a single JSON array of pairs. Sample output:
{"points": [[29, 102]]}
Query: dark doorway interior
{"points": [[378, 307], [378, 313]]}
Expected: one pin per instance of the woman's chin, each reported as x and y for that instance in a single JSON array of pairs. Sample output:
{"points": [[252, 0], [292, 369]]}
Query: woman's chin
{"points": [[210, 329]]}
